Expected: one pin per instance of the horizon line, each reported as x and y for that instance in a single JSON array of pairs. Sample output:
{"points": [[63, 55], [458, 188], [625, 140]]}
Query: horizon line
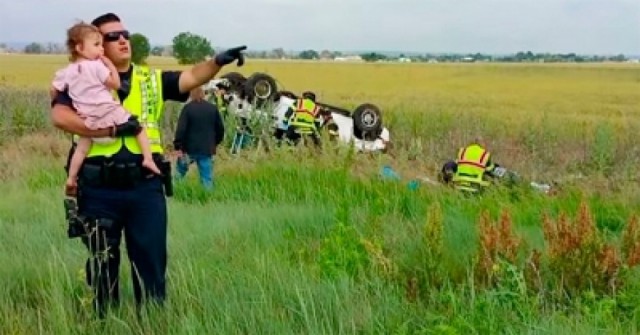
{"points": [[382, 51]]}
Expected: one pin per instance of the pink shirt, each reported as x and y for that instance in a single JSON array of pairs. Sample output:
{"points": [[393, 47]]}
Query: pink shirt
{"points": [[91, 97]]}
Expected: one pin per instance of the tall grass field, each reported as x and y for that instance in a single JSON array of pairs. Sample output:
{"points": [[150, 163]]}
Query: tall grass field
{"points": [[305, 242]]}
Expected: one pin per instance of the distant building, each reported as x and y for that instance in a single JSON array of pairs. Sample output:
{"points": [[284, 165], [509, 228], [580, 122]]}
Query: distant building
{"points": [[326, 55], [352, 58]]}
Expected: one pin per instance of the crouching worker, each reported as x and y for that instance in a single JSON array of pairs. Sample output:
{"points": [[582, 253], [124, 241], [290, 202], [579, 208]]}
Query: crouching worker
{"points": [[468, 171]]}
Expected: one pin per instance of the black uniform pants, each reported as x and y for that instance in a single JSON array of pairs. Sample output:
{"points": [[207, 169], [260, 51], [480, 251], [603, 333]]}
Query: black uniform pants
{"points": [[140, 212]]}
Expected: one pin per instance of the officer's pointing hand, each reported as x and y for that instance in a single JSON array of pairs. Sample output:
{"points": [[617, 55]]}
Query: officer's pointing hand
{"points": [[229, 55]]}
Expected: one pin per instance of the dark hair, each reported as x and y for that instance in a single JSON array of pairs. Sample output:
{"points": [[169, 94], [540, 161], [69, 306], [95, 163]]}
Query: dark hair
{"points": [[76, 35], [105, 18], [309, 95]]}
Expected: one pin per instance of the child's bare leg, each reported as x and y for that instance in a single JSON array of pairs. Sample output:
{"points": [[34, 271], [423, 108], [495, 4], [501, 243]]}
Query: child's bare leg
{"points": [[147, 160], [82, 148]]}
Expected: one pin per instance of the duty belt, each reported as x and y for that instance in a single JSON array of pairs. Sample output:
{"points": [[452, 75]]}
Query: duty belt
{"points": [[112, 174]]}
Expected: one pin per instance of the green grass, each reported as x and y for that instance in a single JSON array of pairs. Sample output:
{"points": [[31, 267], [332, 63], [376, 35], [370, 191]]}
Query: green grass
{"points": [[260, 255], [294, 243]]}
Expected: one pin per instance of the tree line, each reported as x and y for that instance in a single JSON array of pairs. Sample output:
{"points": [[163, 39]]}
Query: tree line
{"points": [[190, 48]]}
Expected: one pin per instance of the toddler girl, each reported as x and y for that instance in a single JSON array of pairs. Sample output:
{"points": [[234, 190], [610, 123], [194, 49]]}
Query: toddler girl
{"points": [[89, 78]]}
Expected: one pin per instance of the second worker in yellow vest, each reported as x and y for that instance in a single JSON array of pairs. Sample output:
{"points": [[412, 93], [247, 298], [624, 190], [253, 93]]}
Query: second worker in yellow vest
{"points": [[469, 170]]}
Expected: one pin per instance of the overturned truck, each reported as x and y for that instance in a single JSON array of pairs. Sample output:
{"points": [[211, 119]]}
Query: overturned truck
{"points": [[257, 96]]}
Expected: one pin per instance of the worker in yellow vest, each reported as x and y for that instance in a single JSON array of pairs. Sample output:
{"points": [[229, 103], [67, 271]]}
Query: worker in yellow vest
{"points": [[115, 192], [302, 122], [469, 170], [218, 94]]}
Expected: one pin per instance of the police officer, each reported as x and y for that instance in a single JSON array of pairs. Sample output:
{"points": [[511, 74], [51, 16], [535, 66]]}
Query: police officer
{"points": [[115, 193]]}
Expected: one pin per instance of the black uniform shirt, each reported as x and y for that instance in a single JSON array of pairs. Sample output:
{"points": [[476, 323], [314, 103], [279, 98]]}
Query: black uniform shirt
{"points": [[170, 91]]}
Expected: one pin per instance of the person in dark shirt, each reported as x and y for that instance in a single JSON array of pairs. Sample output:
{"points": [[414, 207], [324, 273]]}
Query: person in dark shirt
{"points": [[200, 129], [115, 193]]}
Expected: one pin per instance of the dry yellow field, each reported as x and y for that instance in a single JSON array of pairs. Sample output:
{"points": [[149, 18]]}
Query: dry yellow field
{"points": [[582, 91], [536, 115]]}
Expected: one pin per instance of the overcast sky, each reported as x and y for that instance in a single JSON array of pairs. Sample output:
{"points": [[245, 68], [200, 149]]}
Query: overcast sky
{"points": [[491, 26]]}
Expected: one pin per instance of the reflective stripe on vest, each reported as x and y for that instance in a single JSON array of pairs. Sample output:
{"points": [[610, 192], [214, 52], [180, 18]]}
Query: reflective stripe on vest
{"points": [[469, 156], [307, 106], [144, 101]]}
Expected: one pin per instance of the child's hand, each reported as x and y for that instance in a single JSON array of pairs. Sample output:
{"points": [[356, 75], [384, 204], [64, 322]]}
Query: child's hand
{"points": [[113, 80]]}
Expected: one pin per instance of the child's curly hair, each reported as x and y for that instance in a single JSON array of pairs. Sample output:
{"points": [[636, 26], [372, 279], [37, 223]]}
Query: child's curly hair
{"points": [[76, 35]]}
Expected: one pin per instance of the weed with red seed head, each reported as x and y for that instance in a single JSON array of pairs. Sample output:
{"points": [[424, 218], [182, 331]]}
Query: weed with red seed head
{"points": [[578, 258], [497, 243]]}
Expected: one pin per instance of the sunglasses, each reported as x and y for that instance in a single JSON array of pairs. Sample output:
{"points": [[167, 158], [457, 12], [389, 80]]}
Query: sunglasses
{"points": [[115, 35]]}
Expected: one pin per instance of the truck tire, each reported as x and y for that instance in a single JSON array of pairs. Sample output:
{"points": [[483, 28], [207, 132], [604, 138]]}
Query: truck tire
{"points": [[237, 81], [260, 88], [367, 122]]}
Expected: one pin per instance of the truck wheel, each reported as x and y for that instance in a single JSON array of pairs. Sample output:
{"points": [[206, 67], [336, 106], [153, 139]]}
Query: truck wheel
{"points": [[260, 88], [367, 122], [237, 81]]}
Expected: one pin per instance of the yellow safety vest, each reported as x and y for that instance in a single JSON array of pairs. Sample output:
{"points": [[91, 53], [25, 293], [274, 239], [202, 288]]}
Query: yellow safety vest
{"points": [[221, 105], [304, 116], [472, 164], [144, 101]]}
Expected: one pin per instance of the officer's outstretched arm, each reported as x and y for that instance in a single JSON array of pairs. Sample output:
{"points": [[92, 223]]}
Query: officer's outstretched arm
{"points": [[198, 75], [203, 72]]}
